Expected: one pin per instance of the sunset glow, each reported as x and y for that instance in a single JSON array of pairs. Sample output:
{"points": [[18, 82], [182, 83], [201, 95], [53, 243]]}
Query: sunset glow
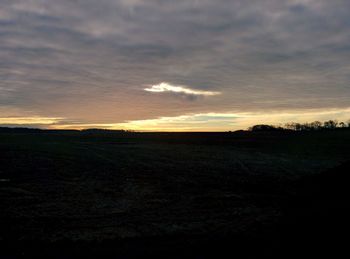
{"points": [[189, 122], [142, 65]]}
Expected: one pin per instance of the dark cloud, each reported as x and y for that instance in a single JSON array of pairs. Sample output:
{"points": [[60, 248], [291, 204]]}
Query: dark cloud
{"points": [[90, 60]]}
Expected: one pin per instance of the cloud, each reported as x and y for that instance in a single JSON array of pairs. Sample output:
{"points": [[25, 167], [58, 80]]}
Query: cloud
{"points": [[28, 121], [166, 87], [214, 121], [188, 122], [86, 61], [232, 121]]}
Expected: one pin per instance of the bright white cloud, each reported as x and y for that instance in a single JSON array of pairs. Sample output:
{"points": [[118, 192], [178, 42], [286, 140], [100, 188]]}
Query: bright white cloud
{"points": [[166, 87]]}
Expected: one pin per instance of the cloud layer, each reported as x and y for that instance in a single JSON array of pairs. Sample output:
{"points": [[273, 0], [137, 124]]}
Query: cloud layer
{"points": [[89, 61], [190, 122]]}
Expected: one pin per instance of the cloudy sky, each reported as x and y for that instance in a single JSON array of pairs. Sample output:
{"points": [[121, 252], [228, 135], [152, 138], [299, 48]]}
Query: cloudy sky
{"points": [[173, 65]]}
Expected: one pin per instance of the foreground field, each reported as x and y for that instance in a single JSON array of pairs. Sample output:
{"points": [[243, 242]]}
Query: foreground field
{"points": [[186, 194]]}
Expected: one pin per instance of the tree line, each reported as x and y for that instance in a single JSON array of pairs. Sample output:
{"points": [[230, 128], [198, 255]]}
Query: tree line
{"points": [[295, 126]]}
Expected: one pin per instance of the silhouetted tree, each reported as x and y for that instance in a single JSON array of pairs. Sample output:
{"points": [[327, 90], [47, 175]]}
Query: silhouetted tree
{"points": [[331, 124], [298, 126], [306, 126], [316, 125], [290, 125], [342, 124], [263, 127], [293, 126]]}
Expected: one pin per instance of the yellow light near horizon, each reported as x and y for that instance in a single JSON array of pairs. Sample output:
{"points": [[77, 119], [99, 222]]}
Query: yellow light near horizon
{"points": [[29, 120], [210, 121]]}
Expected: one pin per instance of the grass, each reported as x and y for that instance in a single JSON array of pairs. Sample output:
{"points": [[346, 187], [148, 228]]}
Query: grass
{"points": [[97, 187]]}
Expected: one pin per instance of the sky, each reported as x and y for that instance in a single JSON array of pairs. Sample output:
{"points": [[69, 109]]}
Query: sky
{"points": [[165, 65]]}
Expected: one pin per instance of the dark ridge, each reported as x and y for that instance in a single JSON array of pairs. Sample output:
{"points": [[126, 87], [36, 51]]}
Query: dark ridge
{"points": [[94, 131], [33, 130], [20, 130]]}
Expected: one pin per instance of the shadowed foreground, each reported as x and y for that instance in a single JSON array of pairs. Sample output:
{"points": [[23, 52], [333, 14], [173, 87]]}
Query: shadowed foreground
{"points": [[196, 195]]}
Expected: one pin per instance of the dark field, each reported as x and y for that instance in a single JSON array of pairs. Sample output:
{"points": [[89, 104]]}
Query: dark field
{"points": [[196, 195]]}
